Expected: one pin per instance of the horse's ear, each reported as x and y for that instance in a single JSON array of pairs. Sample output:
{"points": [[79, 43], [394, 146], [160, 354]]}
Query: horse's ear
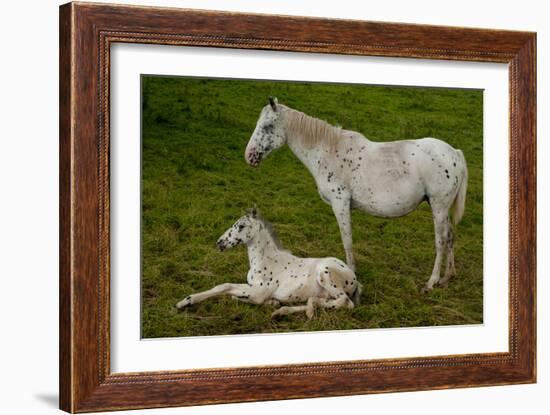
{"points": [[273, 103], [254, 212]]}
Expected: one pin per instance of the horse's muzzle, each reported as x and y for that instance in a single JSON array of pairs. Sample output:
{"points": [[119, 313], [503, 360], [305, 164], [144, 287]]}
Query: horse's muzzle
{"points": [[253, 157]]}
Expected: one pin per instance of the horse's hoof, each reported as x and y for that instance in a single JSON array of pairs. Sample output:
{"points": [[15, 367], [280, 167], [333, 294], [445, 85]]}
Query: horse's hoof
{"points": [[443, 284], [425, 290]]}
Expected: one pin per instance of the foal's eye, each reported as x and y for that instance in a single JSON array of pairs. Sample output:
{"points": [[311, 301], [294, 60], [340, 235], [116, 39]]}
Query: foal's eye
{"points": [[241, 227]]}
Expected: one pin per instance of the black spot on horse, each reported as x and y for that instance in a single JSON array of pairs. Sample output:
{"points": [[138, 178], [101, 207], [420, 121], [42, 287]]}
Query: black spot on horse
{"points": [[268, 129]]}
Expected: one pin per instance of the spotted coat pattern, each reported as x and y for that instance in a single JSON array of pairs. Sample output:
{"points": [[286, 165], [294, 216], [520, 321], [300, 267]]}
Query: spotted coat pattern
{"points": [[386, 180], [278, 277]]}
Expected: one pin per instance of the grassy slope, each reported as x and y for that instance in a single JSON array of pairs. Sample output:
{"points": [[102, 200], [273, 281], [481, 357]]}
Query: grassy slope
{"points": [[196, 183]]}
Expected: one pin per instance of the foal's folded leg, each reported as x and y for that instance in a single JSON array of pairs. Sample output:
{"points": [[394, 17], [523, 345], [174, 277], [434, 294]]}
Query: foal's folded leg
{"points": [[283, 311], [309, 308], [341, 301]]}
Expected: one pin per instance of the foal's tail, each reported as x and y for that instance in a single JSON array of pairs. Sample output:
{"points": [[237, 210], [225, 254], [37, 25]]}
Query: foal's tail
{"points": [[460, 199]]}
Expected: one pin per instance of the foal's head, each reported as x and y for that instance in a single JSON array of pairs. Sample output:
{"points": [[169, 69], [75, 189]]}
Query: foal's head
{"points": [[241, 232], [268, 135]]}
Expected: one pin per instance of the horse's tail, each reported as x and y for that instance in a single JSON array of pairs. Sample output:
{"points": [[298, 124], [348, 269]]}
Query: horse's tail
{"points": [[356, 296], [460, 199]]}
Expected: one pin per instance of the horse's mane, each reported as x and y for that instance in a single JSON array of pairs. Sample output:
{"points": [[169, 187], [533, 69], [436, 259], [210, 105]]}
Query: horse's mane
{"points": [[312, 131]]}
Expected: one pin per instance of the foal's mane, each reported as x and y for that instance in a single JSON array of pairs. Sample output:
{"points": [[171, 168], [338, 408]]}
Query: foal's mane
{"points": [[270, 230], [312, 131]]}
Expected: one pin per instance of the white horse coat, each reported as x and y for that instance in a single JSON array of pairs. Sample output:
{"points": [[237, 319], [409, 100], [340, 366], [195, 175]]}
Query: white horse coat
{"points": [[387, 180], [276, 276]]}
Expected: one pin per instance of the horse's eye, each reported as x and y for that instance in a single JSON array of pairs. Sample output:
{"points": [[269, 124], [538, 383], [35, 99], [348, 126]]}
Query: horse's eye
{"points": [[241, 227], [268, 129]]}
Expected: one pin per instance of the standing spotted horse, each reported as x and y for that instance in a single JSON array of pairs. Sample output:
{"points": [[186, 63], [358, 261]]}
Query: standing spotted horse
{"points": [[276, 276], [387, 180]]}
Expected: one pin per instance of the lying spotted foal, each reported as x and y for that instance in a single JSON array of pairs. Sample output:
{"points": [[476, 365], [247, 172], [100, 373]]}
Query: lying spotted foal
{"points": [[276, 276]]}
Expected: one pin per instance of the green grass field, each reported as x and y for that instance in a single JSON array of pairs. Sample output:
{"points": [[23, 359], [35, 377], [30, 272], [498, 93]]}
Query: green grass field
{"points": [[195, 184]]}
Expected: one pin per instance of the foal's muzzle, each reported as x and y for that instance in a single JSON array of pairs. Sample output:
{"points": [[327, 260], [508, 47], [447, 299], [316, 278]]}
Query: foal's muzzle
{"points": [[220, 244]]}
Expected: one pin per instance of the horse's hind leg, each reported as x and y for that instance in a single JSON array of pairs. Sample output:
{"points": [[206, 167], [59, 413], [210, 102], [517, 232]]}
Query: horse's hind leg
{"points": [[441, 226], [450, 270]]}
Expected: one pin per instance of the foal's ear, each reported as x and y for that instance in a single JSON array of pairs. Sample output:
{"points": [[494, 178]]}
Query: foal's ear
{"points": [[273, 102], [254, 212]]}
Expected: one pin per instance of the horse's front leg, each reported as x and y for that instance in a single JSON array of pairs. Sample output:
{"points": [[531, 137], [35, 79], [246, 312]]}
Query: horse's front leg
{"points": [[245, 292], [341, 209]]}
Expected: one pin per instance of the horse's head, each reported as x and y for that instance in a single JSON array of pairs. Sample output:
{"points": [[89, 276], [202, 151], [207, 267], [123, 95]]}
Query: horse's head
{"points": [[268, 135], [241, 232]]}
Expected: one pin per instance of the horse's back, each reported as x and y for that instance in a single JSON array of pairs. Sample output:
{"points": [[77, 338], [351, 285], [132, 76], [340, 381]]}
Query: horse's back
{"points": [[436, 146], [389, 183], [398, 175]]}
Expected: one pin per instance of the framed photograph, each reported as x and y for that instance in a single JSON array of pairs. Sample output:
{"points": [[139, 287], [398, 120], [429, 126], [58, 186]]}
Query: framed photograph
{"points": [[259, 207]]}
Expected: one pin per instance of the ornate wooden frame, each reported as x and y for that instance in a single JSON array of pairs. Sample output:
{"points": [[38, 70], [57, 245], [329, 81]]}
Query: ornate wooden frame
{"points": [[86, 33]]}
